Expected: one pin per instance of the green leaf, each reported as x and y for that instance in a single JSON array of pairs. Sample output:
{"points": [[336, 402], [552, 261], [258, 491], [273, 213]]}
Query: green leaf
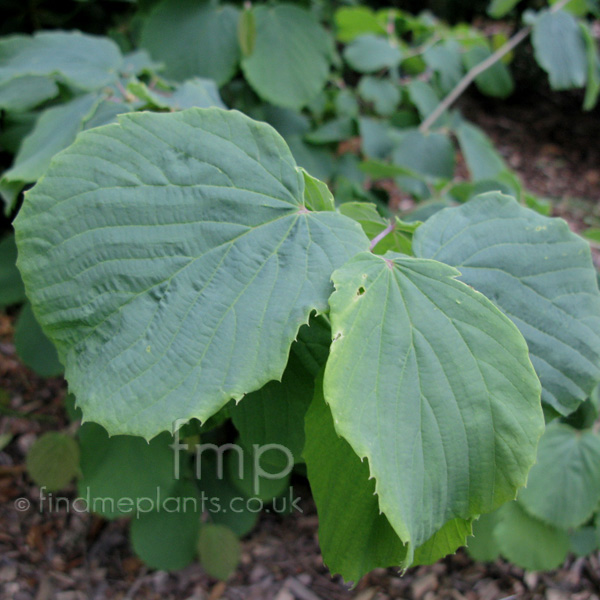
{"points": [[563, 488], [336, 130], [193, 39], [353, 21], [24, 93], [290, 61], [446, 541], [584, 541], [34, 349], [313, 344], [271, 414], [354, 536], [593, 74], [560, 49], [378, 137], [317, 195], [55, 129], [483, 546], [425, 98], [500, 8], [346, 104], [124, 474], [370, 53], [82, 61], [483, 160], [539, 273], [219, 551], [579, 8], [11, 284], [495, 81], [426, 153], [247, 32], [185, 247], [167, 538], [365, 213], [225, 506], [412, 389], [53, 460], [527, 542], [446, 61], [317, 161], [262, 473], [382, 93], [201, 93]]}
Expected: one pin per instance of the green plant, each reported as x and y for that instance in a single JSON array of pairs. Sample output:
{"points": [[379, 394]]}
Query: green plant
{"points": [[195, 266], [183, 265]]}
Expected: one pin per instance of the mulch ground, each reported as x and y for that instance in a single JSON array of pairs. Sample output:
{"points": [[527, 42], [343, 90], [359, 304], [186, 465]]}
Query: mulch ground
{"points": [[72, 556]]}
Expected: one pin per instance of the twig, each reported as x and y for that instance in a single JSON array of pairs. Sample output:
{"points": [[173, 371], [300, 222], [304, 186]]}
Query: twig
{"points": [[478, 69], [381, 235]]}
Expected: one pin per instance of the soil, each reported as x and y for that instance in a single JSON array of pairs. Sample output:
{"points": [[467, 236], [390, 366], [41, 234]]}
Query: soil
{"points": [[61, 556]]}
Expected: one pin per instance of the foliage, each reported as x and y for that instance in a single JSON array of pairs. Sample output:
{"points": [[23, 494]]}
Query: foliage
{"points": [[198, 278]]}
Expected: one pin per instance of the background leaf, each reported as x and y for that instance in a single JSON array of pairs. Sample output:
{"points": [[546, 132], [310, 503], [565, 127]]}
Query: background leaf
{"points": [[560, 49], [539, 273], [53, 460], [563, 488], [290, 61], [193, 39]]}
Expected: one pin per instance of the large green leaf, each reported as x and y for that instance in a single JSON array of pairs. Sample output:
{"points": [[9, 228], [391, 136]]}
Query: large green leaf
{"points": [[431, 383], [123, 475], [55, 129], [271, 414], [290, 61], [427, 153], [499, 8], [560, 49], [352, 21], [175, 277], [483, 546], [370, 53], [495, 81], [354, 536], [482, 158], [24, 93], [167, 537], [445, 60], [34, 349], [382, 93], [11, 284], [445, 541], [539, 273], [193, 39], [563, 488], [527, 542], [593, 74], [83, 61]]}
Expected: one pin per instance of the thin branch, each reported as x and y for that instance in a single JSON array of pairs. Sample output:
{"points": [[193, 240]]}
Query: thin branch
{"points": [[478, 69], [382, 234]]}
